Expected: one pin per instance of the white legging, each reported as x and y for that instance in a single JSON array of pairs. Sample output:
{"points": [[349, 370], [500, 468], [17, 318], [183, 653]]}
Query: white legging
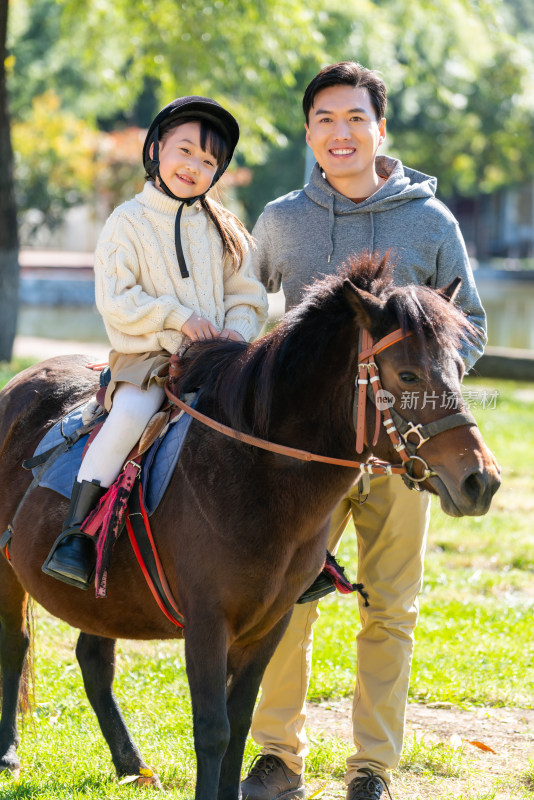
{"points": [[131, 410]]}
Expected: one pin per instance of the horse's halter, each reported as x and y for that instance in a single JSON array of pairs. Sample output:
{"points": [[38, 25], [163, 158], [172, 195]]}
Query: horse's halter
{"points": [[398, 429]]}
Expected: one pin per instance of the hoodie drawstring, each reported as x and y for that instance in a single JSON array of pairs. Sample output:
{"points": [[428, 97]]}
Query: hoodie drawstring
{"points": [[372, 240], [331, 223]]}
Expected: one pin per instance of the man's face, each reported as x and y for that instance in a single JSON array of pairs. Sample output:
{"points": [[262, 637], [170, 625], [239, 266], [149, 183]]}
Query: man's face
{"points": [[344, 133]]}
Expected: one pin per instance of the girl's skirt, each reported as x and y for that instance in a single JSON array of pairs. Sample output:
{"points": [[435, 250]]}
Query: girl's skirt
{"points": [[140, 369]]}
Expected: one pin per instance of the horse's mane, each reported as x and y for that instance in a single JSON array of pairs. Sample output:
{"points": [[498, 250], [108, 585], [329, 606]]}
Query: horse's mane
{"points": [[239, 377]]}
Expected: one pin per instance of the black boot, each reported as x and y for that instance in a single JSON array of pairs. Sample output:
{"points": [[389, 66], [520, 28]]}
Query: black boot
{"points": [[322, 585], [72, 557]]}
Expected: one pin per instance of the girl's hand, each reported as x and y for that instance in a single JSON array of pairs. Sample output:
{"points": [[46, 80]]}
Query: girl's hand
{"points": [[198, 328], [229, 333]]}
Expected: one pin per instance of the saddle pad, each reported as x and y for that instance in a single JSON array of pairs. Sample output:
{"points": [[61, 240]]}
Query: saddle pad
{"points": [[158, 464], [161, 459], [62, 474]]}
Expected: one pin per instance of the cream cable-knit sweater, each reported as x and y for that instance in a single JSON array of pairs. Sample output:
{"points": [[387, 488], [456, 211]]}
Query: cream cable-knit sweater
{"points": [[139, 289]]}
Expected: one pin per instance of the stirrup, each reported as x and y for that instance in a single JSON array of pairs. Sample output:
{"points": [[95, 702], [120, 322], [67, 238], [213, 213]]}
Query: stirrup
{"points": [[85, 495], [322, 585], [48, 568]]}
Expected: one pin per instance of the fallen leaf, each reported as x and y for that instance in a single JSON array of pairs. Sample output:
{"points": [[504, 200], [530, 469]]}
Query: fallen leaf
{"points": [[146, 772], [482, 746], [148, 781]]}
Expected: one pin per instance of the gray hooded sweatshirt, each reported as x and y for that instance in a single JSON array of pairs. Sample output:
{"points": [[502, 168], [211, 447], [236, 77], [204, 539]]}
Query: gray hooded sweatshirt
{"points": [[306, 234]]}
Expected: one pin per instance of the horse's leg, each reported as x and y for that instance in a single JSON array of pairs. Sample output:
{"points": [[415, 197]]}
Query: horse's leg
{"points": [[241, 697], [206, 658], [96, 656], [14, 642]]}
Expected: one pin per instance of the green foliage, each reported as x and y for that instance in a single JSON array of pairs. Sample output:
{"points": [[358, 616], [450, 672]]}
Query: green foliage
{"points": [[55, 160], [431, 759], [8, 370], [459, 74], [459, 77], [246, 53]]}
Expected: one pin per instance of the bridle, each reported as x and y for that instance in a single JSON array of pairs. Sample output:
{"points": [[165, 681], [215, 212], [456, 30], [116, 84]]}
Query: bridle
{"points": [[397, 428]]}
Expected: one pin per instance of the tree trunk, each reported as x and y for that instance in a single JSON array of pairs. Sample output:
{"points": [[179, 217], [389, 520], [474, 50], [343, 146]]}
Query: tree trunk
{"points": [[9, 243]]}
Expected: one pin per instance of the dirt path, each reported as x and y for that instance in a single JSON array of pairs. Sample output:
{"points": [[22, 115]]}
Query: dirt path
{"points": [[444, 763], [38, 348]]}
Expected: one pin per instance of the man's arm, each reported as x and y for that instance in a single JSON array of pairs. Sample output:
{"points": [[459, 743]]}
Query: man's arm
{"points": [[263, 256], [453, 262]]}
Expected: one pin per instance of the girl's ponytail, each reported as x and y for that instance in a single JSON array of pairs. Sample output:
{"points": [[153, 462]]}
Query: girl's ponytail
{"points": [[233, 233]]}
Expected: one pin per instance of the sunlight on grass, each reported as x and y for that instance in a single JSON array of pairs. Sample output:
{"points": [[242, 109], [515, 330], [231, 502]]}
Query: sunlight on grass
{"points": [[8, 370], [327, 756], [437, 758], [527, 778]]}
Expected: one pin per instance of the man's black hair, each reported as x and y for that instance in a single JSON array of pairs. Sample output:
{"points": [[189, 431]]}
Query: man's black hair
{"points": [[347, 73]]}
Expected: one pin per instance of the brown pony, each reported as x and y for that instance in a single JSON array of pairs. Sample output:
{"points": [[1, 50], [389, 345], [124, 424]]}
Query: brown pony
{"points": [[241, 532]]}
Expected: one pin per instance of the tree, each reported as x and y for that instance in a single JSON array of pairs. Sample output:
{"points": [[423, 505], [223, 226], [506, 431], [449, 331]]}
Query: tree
{"points": [[54, 171], [123, 62], [461, 104], [459, 74], [99, 58], [9, 268]]}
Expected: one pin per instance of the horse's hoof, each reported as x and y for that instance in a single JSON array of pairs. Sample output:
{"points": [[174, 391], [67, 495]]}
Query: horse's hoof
{"points": [[145, 778], [9, 763]]}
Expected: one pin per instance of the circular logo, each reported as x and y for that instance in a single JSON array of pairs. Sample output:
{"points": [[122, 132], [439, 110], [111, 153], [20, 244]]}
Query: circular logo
{"points": [[384, 399]]}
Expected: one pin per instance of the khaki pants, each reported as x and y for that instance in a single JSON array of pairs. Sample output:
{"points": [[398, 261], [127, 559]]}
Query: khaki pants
{"points": [[391, 531]]}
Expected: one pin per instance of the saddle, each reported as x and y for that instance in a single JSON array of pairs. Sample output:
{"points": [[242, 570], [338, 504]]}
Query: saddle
{"points": [[159, 446], [135, 494]]}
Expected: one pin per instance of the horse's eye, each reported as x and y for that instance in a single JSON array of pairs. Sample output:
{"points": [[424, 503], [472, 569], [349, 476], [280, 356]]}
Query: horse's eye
{"points": [[408, 377]]}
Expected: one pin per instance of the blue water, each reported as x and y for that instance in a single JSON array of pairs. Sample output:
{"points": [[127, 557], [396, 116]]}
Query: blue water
{"points": [[509, 305]]}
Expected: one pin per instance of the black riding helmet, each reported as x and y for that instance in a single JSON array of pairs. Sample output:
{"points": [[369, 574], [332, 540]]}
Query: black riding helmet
{"points": [[192, 108]]}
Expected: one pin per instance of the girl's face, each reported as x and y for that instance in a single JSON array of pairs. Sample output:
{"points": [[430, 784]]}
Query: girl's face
{"points": [[184, 166]]}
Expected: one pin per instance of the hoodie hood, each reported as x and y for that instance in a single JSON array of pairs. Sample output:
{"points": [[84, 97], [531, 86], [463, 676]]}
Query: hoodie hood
{"points": [[402, 185]]}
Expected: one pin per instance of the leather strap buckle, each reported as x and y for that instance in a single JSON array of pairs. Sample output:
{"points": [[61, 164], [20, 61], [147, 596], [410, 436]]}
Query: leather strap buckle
{"points": [[417, 430]]}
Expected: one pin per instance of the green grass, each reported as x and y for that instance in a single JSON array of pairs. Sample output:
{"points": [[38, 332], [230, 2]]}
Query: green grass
{"points": [[437, 758], [474, 647], [9, 370]]}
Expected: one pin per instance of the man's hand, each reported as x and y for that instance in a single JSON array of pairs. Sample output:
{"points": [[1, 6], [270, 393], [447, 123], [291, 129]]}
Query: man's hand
{"points": [[198, 328]]}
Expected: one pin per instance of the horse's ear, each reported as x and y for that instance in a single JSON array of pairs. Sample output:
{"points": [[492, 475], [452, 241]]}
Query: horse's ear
{"points": [[449, 292], [366, 307]]}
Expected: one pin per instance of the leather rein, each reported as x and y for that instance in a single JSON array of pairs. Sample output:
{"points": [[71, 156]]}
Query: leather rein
{"points": [[368, 376]]}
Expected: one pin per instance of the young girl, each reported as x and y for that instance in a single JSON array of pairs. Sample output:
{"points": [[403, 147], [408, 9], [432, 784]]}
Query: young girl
{"points": [[170, 265]]}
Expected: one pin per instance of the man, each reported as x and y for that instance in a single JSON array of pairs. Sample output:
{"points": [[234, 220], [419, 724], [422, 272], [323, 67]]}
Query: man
{"points": [[355, 201]]}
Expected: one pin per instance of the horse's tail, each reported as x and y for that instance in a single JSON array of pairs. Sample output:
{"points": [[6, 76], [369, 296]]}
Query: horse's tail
{"points": [[27, 684], [26, 699]]}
